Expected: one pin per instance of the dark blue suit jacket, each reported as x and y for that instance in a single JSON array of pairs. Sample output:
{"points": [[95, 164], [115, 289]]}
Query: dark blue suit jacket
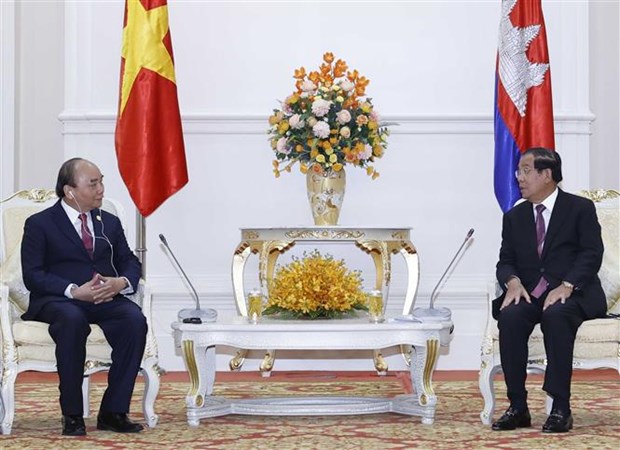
{"points": [[573, 251], [53, 255]]}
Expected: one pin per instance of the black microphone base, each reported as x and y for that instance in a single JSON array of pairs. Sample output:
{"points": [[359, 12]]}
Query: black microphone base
{"points": [[432, 314], [197, 315]]}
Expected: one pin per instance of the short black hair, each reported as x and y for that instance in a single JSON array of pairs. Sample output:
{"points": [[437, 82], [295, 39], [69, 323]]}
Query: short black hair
{"points": [[545, 158], [66, 175]]}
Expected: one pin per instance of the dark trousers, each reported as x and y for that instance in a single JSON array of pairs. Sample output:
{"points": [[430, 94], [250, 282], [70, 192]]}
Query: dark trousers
{"points": [[124, 327], [559, 324]]}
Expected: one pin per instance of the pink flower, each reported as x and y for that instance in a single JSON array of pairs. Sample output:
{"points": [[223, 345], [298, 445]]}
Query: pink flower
{"points": [[343, 116], [295, 122], [308, 86], [347, 86], [320, 107], [366, 153], [282, 146], [321, 130]]}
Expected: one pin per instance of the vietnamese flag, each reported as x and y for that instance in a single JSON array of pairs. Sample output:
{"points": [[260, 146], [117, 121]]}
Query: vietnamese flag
{"points": [[149, 134]]}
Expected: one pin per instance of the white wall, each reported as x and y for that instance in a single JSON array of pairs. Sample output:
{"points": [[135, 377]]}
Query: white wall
{"points": [[39, 91], [430, 70], [605, 93], [7, 107]]}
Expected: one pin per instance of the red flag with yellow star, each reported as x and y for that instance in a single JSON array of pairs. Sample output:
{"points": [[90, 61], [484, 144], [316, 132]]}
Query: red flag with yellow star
{"points": [[149, 134]]}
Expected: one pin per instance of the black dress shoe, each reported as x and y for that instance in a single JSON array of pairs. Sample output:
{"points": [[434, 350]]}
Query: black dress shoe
{"points": [[73, 426], [513, 419], [117, 422], [559, 421]]}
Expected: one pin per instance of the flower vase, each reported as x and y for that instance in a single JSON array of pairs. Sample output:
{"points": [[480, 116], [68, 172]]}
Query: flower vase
{"points": [[325, 193]]}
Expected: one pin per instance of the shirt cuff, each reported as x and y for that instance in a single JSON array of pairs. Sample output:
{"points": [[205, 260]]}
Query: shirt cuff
{"points": [[69, 289], [129, 289]]}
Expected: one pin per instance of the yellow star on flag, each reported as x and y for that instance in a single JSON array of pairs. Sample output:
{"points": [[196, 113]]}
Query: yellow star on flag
{"points": [[143, 45]]}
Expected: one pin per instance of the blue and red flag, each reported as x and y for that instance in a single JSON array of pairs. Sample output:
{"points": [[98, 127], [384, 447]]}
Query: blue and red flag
{"points": [[523, 106]]}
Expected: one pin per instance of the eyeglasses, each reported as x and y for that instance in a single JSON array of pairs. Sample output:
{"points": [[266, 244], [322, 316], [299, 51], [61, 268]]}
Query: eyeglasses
{"points": [[525, 172]]}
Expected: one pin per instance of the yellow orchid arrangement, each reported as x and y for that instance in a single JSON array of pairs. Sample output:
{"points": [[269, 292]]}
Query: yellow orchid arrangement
{"points": [[315, 287], [327, 122]]}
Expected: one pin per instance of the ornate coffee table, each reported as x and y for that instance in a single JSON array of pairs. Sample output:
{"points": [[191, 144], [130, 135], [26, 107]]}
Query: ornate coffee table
{"points": [[380, 243], [197, 344]]}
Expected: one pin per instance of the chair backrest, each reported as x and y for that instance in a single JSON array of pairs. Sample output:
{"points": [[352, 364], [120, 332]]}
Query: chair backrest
{"points": [[608, 211], [14, 211]]}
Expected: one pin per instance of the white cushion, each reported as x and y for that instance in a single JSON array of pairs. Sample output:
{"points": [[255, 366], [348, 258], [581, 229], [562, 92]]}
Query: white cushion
{"points": [[31, 332], [609, 218], [11, 273], [595, 339]]}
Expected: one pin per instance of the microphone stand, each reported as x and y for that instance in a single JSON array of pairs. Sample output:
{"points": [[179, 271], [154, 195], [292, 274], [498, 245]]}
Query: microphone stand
{"points": [[189, 315], [432, 314]]}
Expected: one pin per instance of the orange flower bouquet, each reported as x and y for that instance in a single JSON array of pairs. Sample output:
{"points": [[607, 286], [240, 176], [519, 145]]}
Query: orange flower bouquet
{"points": [[315, 287], [327, 122]]}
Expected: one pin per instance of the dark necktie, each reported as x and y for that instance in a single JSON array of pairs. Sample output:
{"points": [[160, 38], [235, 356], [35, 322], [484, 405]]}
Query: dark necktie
{"points": [[541, 287], [87, 238]]}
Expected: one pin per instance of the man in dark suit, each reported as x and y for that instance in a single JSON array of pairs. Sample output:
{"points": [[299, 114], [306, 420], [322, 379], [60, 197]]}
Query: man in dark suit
{"points": [[77, 265], [548, 263]]}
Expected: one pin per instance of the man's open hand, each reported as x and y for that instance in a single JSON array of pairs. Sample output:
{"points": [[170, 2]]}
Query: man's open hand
{"points": [[515, 293]]}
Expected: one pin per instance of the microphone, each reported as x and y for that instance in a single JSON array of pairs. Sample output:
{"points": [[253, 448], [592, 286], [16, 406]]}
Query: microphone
{"points": [[440, 314], [197, 315]]}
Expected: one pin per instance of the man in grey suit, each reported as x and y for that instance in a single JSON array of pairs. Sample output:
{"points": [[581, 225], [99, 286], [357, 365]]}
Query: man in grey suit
{"points": [[548, 263]]}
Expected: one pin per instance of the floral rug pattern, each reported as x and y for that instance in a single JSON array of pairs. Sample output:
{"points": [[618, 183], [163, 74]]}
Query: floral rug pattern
{"points": [[596, 408]]}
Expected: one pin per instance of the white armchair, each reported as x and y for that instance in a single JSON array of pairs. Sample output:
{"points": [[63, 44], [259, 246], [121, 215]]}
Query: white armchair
{"points": [[597, 344], [27, 345]]}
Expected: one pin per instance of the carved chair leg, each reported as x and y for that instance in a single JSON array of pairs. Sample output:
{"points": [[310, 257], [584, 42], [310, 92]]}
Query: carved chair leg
{"points": [[151, 372], [7, 392], [381, 365], [86, 396], [267, 364], [486, 386], [548, 404]]}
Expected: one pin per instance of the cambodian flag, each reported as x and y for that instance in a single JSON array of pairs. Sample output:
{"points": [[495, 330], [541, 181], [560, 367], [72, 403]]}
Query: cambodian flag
{"points": [[523, 106]]}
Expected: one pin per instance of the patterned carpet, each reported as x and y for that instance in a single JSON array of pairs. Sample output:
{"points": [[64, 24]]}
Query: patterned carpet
{"points": [[457, 426]]}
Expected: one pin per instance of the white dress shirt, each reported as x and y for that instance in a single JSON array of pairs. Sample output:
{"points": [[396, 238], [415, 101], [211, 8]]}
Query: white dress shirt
{"points": [[74, 217], [548, 203]]}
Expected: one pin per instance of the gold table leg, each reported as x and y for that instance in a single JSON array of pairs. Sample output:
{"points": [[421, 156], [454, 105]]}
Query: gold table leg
{"points": [[267, 364], [198, 361], [421, 370], [381, 365], [237, 361]]}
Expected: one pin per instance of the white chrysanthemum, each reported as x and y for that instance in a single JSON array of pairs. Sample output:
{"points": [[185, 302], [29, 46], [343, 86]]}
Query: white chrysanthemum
{"points": [[347, 86], [366, 153], [282, 146], [321, 130], [295, 122], [308, 86], [320, 107], [343, 116]]}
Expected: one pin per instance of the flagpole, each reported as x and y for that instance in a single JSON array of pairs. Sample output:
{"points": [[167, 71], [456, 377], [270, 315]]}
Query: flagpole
{"points": [[141, 241]]}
